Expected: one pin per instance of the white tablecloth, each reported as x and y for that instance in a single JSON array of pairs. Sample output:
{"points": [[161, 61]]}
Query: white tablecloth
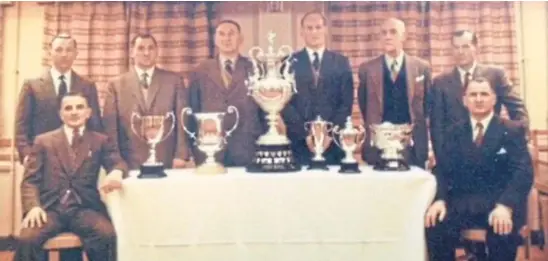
{"points": [[304, 216]]}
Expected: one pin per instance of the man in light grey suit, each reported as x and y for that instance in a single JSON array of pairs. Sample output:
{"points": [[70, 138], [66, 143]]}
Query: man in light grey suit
{"points": [[447, 90], [147, 90], [394, 87]]}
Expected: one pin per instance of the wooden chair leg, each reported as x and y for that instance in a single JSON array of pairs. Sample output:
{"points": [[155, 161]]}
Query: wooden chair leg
{"points": [[54, 255]]}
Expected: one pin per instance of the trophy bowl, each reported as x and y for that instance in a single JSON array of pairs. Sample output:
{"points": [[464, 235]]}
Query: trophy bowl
{"points": [[272, 87], [318, 132], [151, 129], [210, 137], [349, 139], [391, 139]]}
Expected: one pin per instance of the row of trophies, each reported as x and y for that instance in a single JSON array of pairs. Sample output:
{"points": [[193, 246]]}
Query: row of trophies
{"points": [[272, 84]]}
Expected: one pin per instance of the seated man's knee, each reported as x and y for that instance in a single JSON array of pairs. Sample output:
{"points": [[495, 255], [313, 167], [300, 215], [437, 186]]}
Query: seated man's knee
{"points": [[31, 236]]}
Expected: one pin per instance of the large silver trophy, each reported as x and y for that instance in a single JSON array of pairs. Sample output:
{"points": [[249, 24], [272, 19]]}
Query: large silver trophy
{"points": [[318, 130], [211, 136], [151, 129], [391, 140], [349, 140], [271, 84]]}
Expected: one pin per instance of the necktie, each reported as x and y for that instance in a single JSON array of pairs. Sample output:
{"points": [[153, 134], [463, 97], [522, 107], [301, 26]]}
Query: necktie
{"points": [[394, 70], [62, 87], [228, 67], [466, 80], [316, 62], [144, 80], [227, 75], [479, 137]]}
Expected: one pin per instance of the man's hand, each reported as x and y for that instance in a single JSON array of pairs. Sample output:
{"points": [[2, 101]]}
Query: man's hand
{"points": [[501, 220], [35, 218], [113, 181], [435, 213], [181, 163]]}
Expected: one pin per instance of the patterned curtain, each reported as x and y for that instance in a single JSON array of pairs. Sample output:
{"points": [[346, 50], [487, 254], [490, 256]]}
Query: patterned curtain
{"points": [[429, 25]]}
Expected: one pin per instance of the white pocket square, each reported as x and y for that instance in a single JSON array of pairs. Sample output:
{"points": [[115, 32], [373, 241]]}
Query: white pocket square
{"points": [[89, 153], [501, 151], [419, 78]]}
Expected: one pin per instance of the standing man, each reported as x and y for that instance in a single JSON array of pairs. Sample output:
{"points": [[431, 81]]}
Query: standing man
{"points": [[324, 88], [394, 87], [220, 82], [38, 106], [447, 89], [484, 182], [146, 90], [59, 188]]}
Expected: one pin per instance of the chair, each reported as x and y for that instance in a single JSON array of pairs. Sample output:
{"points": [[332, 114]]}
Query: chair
{"points": [[61, 242]]}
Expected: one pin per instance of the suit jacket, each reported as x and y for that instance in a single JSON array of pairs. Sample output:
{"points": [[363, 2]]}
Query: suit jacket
{"points": [[371, 99], [208, 93], [473, 179], [38, 109], [330, 96], [165, 94], [448, 108], [50, 171]]}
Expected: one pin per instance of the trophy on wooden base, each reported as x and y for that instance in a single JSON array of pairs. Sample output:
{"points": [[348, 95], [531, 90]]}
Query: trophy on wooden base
{"points": [[319, 131], [349, 140], [392, 140]]}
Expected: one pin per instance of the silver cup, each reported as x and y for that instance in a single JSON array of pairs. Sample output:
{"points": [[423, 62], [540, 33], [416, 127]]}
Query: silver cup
{"points": [[319, 130], [349, 140], [391, 140], [211, 137]]}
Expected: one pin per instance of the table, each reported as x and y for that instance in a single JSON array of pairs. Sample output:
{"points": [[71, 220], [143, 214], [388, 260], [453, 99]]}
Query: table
{"points": [[304, 216]]}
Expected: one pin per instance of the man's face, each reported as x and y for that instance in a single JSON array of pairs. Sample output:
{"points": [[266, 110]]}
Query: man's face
{"points": [[392, 36], [464, 52], [74, 111], [144, 53], [480, 99], [63, 53], [314, 31], [228, 38]]}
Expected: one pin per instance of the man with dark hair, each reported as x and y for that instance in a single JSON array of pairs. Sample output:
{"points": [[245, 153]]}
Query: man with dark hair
{"points": [[394, 87], [484, 181], [59, 189], [324, 88], [220, 82], [447, 105], [146, 90], [38, 105]]}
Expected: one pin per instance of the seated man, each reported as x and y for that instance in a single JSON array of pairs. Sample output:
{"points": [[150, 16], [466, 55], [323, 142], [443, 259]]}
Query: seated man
{"points": [[484, 183], [59, 188]]}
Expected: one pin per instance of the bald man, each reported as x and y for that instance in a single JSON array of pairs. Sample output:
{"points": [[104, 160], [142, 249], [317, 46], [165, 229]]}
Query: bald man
{"points": [[394, 88]]}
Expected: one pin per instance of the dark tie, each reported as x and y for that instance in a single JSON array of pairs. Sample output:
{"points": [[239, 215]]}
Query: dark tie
{"points": [[316, 62], [466, 80], [228, 67], [394, 70], [479, 137], [144, 80], [62, 87], [76, 139]]}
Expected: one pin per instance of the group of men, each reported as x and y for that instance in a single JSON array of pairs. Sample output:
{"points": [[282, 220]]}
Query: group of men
{"points": [[484, 173]]}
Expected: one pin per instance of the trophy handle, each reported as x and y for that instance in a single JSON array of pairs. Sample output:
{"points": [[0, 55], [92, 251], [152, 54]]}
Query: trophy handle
{"points": [[187, 111], [361, 130], [307, 126], [329, 127], [336, 140], [172, 116], [135, 115], [232, 109]]}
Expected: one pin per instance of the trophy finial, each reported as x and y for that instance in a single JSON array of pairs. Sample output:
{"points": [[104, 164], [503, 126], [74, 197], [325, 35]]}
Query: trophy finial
{"points": [[348, 124], [271, 36]]}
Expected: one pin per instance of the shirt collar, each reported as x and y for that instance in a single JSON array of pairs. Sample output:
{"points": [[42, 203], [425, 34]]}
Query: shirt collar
{"points": [[399, 59], [485, 122], [149, 71], [462, 72], [310, 52], [68, 130], [55, 74], [223, 59]]}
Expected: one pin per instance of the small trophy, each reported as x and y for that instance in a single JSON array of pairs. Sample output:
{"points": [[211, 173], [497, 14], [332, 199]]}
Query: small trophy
{"points": [[211, 138], [319, 130], [151, 130], [350, 138], [391, 139], [271, 85]]}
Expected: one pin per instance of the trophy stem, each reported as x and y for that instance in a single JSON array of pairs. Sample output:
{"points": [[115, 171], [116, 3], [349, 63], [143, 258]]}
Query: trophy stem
{"points": [[349, 158], [151, 155], [272, 136]]}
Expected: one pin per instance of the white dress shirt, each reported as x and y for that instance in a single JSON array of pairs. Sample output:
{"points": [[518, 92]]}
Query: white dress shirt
{"points": [[55, 74], [223, 59], [485, 122], [311, 52], [462, 72], [390, 60], [68, 132], [149, 72]]}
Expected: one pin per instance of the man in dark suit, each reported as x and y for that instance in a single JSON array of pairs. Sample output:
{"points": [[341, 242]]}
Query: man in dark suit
{"points": [[146, 90], [324, 88], [220, 82], [394, 87], [484, 182], [37, 110], [447, 105], [59, 188]]}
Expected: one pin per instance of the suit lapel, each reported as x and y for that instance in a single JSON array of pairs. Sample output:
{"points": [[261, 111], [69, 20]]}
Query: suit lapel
{"points": [[306, 73], [82, 150], [238, 75], [411, 72], [63, 151], [377, 78], [155, 85], [75, 82], [492, 136], [324, 64], [215, 72], [47, 91], [455, 86], [135, 87]]}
